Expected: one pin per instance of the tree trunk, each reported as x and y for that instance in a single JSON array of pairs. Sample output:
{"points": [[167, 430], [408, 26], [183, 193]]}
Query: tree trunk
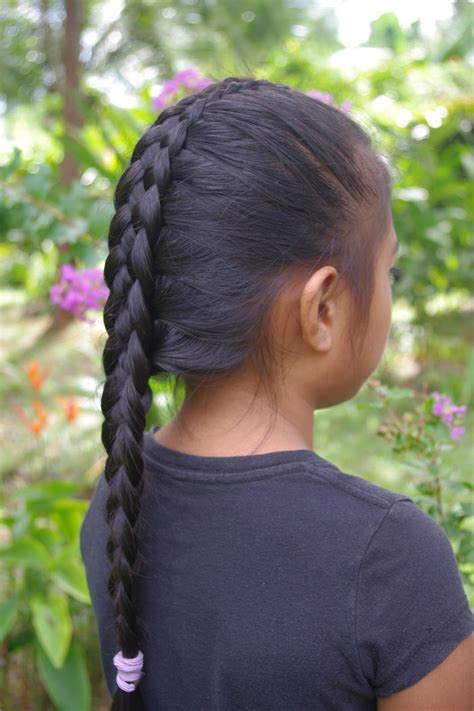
{"points": [[70, 86], [71, 83]]}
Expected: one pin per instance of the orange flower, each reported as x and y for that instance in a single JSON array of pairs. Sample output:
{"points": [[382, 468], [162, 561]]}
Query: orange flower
{"points": [[39, 409], [70, 406], [33, 374], [37, 425]]}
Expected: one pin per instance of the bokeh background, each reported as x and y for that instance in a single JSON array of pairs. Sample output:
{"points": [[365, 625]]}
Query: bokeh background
{"points": [[80, 80]]}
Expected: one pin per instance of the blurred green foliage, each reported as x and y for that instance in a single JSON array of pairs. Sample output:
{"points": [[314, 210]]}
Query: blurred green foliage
{"points": [[46, 580], [412, 94], [43, 225]]}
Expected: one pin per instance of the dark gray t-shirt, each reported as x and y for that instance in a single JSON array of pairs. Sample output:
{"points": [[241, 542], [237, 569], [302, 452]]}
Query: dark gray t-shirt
{"points": [[276, 581]]}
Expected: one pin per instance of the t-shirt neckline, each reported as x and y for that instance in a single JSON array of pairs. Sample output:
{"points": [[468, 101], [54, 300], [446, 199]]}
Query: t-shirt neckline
{"points": [[192, 465]]}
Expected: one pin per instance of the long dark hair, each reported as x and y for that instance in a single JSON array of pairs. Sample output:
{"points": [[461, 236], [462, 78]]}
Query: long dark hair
{"points": [[230, 193]]}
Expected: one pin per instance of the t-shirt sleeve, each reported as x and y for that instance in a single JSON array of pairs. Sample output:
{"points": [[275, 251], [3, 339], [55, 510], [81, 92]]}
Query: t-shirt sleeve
{"points": [[411, 609], [93, 538]]}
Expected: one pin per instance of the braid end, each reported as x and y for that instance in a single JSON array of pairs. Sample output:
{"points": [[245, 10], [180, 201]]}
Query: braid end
{"points": [[127, 701]]}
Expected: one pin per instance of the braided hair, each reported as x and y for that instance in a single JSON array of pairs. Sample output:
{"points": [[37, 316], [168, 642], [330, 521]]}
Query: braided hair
{"points": [[229, 193]]}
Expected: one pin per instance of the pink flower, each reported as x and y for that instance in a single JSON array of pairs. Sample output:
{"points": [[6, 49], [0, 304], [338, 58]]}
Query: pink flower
{"points": [[321, 95], [328, 99], [449, 413], [442, 405], [447, 417], [67, 272], [437, 409], [79, 290], [190, 79]]}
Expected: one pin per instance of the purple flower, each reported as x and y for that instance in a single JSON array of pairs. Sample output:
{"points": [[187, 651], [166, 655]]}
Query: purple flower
{"points": [[449, 413], [328, 99], [437, 409], [68, 272], [79, 290], [55, 293], [447, 417], [321, 95], [189, 78], [442, 404], [456, 432]]}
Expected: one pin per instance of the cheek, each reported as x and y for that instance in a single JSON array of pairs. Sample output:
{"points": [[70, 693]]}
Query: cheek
{"points": [[388, 305], [384, 315], [381, 316]]}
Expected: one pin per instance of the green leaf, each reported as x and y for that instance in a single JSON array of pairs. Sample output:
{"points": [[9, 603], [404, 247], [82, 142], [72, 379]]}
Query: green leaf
{"points": [[8, 612], [415, 463], [399, 393], [69, 514], [70, 577], [467, 524], [428, 405], [21, 639], [39, 184], [26, 551], [48, 490], [69, 686], [52, 624], [82, 153], [7, 169]]}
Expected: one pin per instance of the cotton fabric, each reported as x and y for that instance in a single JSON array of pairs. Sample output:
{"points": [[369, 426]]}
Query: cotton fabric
{"points": [[277, 581]]}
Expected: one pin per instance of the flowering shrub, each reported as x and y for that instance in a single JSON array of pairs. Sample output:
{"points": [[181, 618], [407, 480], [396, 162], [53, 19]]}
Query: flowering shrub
{"points": [[424, 427], [449, 413], [36, 378], [421, 431], [79, 290], [189, 79], [68, 405], [37, 424], [421, 434], [328, 99]]}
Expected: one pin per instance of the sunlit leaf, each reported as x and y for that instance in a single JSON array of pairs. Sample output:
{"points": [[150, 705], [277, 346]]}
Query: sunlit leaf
{"points": [[8, 612], [26, 551], [69, 576], [69, 685], [52, 624]]}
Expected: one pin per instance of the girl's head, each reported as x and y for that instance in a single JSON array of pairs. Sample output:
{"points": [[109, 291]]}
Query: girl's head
{"points": [[252, 233]]}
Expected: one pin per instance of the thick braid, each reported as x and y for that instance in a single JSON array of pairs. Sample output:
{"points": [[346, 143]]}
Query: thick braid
{"points": [[131, 276]]}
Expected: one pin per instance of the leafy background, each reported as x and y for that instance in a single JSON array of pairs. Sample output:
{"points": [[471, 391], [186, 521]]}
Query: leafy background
{"points": [[76, 92]]}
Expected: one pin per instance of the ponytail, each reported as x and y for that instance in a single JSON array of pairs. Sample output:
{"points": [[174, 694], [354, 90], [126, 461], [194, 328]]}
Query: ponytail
{"points": [[131, 275]]}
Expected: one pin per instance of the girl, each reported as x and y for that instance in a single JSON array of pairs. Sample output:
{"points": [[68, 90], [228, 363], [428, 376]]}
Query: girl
{"points": [[230, 566]]}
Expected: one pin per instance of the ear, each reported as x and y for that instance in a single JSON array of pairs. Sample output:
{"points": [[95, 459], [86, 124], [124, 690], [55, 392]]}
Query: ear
{"points": [[318, 309]]}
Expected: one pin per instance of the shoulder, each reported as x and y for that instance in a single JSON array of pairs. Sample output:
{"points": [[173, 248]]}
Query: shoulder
{"points": [[411, 608], [391, 521], [354, 486], [391, 531]]}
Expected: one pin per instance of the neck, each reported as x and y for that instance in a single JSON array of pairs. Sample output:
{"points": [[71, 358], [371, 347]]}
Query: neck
{"points": [[235, 419]]}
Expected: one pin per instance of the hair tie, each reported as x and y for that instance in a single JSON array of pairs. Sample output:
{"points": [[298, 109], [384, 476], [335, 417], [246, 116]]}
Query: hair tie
{"points": [[129, 670]]}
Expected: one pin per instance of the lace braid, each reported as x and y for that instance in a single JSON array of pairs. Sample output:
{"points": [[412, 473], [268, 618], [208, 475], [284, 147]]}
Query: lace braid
{"points": [[131, 276]]}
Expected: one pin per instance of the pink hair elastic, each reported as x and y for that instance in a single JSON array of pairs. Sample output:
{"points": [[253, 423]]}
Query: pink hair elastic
{"points": [[129, 670]]}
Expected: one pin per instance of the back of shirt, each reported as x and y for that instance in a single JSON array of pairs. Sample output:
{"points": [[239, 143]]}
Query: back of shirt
{"points": [[277, 581]]}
